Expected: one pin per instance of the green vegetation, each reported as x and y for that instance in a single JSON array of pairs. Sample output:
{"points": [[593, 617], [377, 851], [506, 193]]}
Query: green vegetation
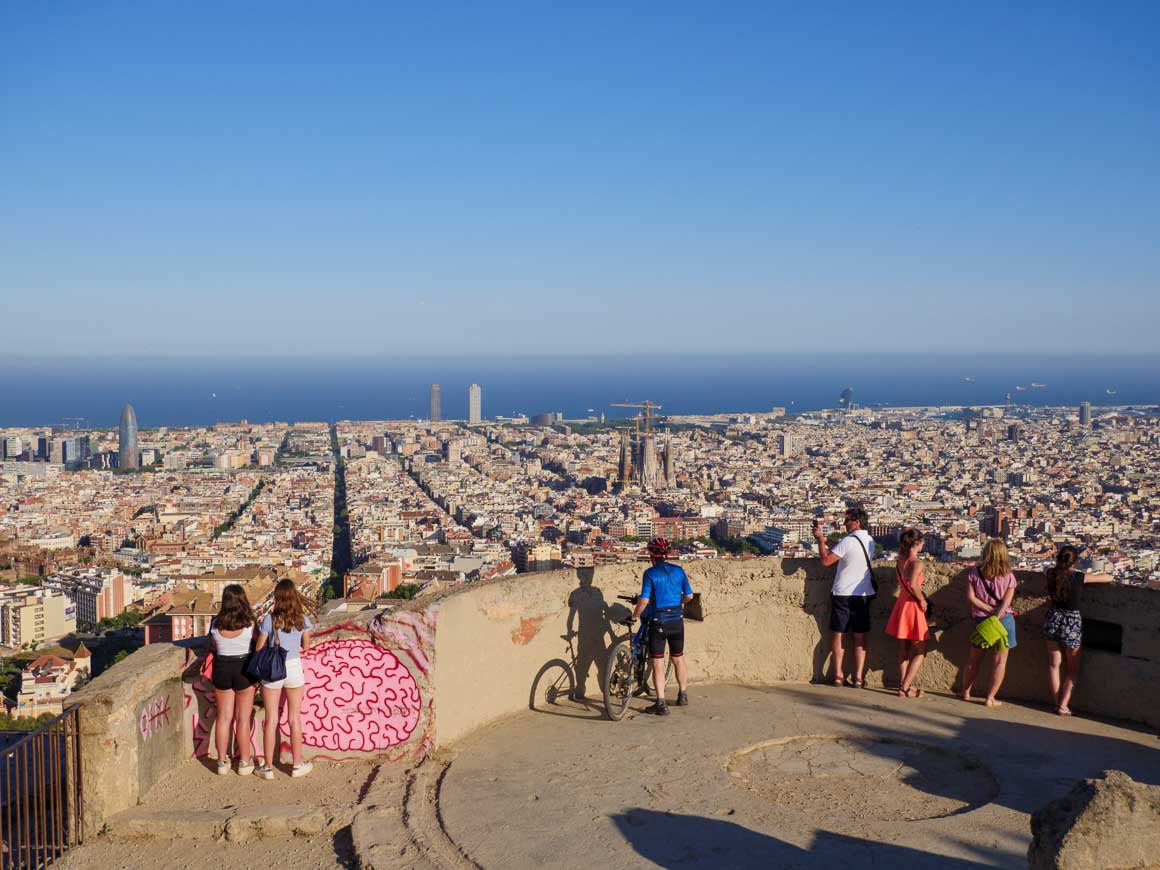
{"points": [[733, 546], [128, 619], [241, 509], [341, 559], [405, 591], [11, 723]]}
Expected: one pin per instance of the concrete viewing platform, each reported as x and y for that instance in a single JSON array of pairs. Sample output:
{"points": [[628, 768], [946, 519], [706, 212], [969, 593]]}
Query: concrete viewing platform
{"points": [[437, 742], [785, 776]]}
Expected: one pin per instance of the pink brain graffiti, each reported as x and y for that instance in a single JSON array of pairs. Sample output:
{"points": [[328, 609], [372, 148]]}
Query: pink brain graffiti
{"points": [[359, 698]]}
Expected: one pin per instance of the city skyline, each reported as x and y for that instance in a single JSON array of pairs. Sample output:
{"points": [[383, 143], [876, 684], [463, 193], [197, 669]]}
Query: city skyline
{"points": [[794, 177]]}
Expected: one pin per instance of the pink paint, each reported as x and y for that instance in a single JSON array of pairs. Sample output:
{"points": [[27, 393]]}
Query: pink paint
{"points": [[359, 698], [154, 716], [409, 631]]}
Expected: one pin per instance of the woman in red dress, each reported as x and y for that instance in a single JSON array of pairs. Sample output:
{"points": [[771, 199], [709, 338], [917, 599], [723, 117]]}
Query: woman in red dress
{"points": [[908, 619]]}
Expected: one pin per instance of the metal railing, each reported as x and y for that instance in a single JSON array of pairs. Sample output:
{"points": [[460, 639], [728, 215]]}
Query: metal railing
{"points": [[40, 794]]}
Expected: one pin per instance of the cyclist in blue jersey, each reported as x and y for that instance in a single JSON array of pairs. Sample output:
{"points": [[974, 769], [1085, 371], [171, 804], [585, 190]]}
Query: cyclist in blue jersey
{"points": [[663, 593]]}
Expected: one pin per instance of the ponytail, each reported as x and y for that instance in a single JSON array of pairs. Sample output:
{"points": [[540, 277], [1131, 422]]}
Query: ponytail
{"points": [[1059, 576]]}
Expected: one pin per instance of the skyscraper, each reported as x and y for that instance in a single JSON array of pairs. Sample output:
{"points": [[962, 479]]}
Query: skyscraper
{"points": [[474, 404], [127, 453], [436, 404], [1085, 415]]}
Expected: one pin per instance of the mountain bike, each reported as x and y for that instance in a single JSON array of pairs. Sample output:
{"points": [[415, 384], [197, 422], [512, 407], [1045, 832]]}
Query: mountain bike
{"points": [[629, 670]]}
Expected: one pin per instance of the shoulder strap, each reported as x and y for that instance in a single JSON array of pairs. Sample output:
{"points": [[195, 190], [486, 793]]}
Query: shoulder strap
{"points": [[902, 582], [866, 553]]}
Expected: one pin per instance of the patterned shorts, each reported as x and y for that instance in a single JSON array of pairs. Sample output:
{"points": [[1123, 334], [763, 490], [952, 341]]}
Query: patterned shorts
{"points": [[1065, 627]]}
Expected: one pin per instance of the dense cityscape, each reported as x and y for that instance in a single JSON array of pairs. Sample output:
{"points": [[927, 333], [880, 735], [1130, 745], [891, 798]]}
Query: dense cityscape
{"points": [[120, 537]]}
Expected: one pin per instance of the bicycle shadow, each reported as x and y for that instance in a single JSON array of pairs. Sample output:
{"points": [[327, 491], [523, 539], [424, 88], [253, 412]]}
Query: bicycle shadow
{"points": [[561, 686]]}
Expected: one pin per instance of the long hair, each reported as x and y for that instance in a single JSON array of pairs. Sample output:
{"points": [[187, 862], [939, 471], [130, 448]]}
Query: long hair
{"points": [[996, 562], [906, 541], [235, 611], [289, 611], [1059, 576]]}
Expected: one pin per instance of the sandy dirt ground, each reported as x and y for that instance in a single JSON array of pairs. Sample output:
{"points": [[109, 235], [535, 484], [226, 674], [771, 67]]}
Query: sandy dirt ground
{"points": [[795, 776]]}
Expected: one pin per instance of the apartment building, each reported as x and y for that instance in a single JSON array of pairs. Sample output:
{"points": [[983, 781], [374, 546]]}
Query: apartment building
{"points": [[98, 593], [33, 616]]}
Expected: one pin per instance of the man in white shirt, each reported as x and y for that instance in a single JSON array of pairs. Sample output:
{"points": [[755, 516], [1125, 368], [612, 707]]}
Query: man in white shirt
{"points": [[852, 592]]}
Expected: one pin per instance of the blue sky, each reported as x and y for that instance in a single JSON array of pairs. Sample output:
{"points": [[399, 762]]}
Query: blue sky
{"points": [[490, 178]]}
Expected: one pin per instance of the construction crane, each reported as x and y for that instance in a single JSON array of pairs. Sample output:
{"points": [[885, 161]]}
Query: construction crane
{"points": [[648, 415]]}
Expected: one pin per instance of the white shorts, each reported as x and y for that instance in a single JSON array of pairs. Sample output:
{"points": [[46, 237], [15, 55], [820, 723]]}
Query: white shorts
{"points": [[294, 677]]}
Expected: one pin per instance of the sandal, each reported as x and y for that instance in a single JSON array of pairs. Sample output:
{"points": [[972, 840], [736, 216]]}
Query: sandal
{"points": [[915, 693], [838, 681], [857, 684]]}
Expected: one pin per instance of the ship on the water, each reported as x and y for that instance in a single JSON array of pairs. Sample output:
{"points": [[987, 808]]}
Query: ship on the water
{"points": [[1021, 389], [1111, 391], [967, 379], [1039, 386]]}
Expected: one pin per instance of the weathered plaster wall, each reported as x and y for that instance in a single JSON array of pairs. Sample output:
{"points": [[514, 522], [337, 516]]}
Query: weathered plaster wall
{"points": [[131, 730], [766, 622]]}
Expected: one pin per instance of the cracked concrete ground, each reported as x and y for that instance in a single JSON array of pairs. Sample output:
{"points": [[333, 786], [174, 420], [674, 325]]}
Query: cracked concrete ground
{"points": [[797, 776], [787, 776]]}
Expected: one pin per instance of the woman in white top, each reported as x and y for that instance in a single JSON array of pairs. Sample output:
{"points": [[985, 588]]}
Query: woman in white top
{"points": [[232, 631], [288, 618]]}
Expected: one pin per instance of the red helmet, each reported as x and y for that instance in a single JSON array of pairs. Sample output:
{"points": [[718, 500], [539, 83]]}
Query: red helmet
{"points": [[659, 548]]}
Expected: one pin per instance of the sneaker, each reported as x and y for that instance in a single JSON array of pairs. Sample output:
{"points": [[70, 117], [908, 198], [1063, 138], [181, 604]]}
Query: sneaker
{"points": [[265, 771], [245, 768], [682, 699], [223, 766], [660, 708], [301, 769]]}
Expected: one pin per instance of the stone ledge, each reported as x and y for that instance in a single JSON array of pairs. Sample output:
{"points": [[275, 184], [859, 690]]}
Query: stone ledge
{"points": [[231, 824]]}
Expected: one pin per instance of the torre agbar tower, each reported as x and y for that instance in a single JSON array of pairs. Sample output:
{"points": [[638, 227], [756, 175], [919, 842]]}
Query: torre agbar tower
{"points": [[127, 454]]}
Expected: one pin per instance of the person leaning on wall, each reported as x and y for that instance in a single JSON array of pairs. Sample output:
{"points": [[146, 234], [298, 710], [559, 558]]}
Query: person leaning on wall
{"points": [[852, 592]]}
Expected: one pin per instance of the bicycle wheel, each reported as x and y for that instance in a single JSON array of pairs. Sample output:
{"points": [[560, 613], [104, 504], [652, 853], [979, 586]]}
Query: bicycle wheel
{"points": [[552, 685], [644, 685], [618, 681]]}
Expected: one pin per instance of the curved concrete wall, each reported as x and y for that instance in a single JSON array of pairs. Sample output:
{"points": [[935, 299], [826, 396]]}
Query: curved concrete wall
{"points": [[765, 622], [471, 657]]}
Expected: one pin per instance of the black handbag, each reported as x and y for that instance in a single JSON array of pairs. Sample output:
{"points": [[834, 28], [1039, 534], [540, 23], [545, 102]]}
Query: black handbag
{"points": [[269, 663]]}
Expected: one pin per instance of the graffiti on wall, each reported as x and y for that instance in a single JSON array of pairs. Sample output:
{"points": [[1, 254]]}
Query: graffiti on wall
{"points": [[363, 691], [155, 716], [359, 698]]}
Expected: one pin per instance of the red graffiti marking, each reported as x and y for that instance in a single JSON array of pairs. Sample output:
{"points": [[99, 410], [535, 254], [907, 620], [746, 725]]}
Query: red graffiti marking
{"points": [[154, 716]]}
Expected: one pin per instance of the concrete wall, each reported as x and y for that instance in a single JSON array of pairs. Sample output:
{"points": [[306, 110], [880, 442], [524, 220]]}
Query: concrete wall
{"points": [[766, 622], [396, 684], [131, 730]]}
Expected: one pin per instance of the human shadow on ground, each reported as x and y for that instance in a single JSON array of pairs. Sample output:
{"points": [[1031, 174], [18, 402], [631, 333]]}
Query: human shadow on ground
{"points": [[561, 686], [674, 840], [1033, 764]]}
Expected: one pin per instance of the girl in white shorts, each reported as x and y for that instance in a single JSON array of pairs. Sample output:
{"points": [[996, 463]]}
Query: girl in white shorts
{"points": [[289, 618]]}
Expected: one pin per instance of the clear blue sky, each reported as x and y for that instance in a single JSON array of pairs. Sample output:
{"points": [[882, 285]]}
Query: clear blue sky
{"points": [[368, 177]]}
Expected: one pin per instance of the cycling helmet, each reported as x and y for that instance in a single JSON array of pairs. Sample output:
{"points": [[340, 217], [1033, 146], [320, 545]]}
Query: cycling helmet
{"points": [[659, 548]]}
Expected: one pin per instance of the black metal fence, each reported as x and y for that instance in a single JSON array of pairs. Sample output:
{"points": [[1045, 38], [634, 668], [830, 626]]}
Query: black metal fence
{"points": [[40, 794]]}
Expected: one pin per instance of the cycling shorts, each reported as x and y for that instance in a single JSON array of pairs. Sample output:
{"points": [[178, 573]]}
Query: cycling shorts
{"points": [[671, 632]]}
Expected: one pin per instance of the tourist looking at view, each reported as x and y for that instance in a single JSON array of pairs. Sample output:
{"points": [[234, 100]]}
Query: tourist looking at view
{"points": [[232, 633], [1063, 626], [289, 619], [907, 621], [990, 591], [852, 592]]}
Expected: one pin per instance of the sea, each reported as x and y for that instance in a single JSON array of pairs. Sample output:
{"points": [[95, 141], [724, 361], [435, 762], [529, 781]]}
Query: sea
{"points": [[89, 392]]}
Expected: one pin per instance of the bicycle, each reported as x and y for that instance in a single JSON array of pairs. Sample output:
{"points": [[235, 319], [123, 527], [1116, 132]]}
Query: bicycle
{"points": [[629, 670]]}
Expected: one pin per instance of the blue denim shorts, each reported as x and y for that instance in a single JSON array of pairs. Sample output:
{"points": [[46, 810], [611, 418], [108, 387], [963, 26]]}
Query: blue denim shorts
{"points": [[1008, 623]]}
